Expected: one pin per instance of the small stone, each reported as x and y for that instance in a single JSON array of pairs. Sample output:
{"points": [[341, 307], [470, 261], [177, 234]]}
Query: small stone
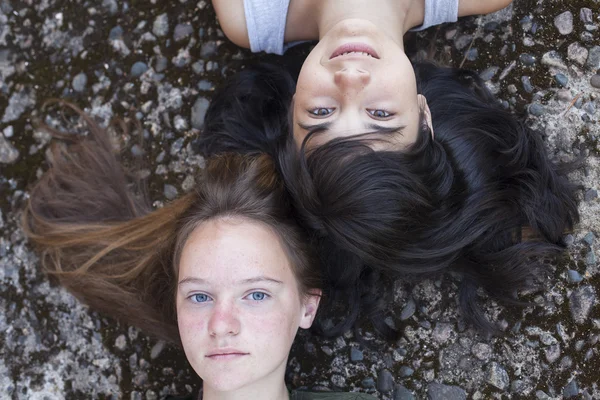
{"points": [[491, 26], [409, 309], [576, 52], [541, 395], [338, 380], [182, 31], [199, 112], [489, 73], [536, 109], [590, 258], [581, 302], [552, 353], [402, 393], [571, 390], [180, 123], [405, 371], [368, 383], [482, 351], [497, 376], [356, 354], [135, 395], [8, 132], [553, 59], [589, 107], [564, 95], [463, 41], [160, 345], [160, 27], [79, 82], [140, 379], [170, 191], [564, 23], [115, 33], [561, 79], [517, 386], [151, 395], [527, 59], [569, 240], [161, 64], [121, 342], [574, 276], [137, 69], [590, 194], [8, 153], [585, 14], [438, 391], [198, 67], [442, 332], [472, 54], [385, 381], [589, 238], [593, 59], [527, 84], [208, 49]]}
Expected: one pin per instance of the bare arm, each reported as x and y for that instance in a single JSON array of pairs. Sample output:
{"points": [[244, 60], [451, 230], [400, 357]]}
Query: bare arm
{"points": [[472, 7], [233, 20]]}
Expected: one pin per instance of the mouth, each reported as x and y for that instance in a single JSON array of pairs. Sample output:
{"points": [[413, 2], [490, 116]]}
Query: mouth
{"points": [[225, 354], [354, 49]]}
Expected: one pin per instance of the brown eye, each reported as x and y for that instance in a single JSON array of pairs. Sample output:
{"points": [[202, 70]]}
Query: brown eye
{"points": [[321, 111]]}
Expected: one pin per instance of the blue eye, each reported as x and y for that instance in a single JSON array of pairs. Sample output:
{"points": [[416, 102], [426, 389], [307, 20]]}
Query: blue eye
{"points": [[380, 113], [200, 298], [258, 296], [321, 111]]}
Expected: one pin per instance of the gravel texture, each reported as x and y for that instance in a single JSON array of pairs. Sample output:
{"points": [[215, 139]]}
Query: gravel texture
{"points": [[159, 63]]}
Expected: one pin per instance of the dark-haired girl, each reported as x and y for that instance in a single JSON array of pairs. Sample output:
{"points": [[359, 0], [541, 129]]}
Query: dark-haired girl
{"points": [[224, 271]]}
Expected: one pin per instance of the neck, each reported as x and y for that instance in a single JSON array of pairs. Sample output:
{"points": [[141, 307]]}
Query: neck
{"points": [[389, 16], [255, 391]]}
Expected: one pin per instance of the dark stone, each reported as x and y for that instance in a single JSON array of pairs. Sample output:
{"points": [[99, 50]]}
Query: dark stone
{"points": [[527, 84], [409, 309], [593, 59], [590, 194], [536, 109], [491, 26], [115, 33], [497, 376], [385, 381], [561, 79], [527, 59], [356, 354], [368, 383], [405, 371], [595, 81], [138, 69], [571, 390], [199, 111], [402, 393], [438, 391]]}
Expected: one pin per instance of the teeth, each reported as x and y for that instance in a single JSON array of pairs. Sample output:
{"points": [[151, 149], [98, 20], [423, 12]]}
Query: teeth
{"points": [[356, 52]]}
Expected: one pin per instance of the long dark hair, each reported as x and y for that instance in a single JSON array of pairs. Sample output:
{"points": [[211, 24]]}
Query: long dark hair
{"points": [[99, 236], [460, 202]]}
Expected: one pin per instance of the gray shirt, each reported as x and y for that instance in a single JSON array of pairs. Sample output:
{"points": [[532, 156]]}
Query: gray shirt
{"points": [[265, 20]]}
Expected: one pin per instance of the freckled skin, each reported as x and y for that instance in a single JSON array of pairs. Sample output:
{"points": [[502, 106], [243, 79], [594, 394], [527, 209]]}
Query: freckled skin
{"points": [[224, 252]]}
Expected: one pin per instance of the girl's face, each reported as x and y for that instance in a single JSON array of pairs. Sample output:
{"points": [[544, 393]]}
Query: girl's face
{"points": [[238, 305], [370, 88]]}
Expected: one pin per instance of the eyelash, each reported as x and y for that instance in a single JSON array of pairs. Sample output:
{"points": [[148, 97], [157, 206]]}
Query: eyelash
{"points": [[314, 111], [193, 297]]}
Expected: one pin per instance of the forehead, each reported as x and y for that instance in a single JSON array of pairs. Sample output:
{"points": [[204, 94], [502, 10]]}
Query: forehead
{"points": [[232, 249]]}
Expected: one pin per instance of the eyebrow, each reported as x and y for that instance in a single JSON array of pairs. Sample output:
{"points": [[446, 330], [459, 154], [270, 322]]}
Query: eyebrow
{"points": [[375, 128], [258, 279]]}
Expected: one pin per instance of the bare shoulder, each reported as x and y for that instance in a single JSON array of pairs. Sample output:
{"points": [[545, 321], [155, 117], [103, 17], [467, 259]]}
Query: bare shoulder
{"points": [[232, 19], [472, 7]]}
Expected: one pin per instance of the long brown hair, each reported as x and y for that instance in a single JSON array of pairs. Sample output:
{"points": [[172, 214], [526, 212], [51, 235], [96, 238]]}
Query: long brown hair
{"points": [[98, 235]]}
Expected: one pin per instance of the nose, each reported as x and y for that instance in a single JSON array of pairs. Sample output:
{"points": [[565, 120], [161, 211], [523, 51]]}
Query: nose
{"points": [[352, 77], [224, 321]]}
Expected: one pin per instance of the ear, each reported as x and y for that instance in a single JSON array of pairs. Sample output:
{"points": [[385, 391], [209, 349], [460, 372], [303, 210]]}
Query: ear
{"points": [[310, 304], [426, 111]]}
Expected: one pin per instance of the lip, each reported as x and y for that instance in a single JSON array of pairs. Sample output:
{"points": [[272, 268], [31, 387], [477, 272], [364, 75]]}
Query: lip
{"points": [[225, 354], [354, 47]]}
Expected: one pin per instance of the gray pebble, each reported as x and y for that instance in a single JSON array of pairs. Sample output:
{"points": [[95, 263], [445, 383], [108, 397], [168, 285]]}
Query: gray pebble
{"points": [[581, 302], [497, 376], [518, 386], [199, 112], [489, 73], [8, 132], [402, 393], [161, 64], [438, 391], [182, 31], [585, 14], [151, 395], [491, 26], [553, 59], [409, 309], [589, 238], [564, 95], [17, 104], [115, 33], [552, 353], [571, 390], [198, 67], [526, 23], [138, 68], [576, 52], [536, 109], [526, 81], [79, 82], [590, 258], [135, 395], [527, 59], [208, 49], [121, 342], [205, 84], [589, 108], [472, 54], [579, 345], [569, 240], [140, 379], [482, 351], [385, 381], [159, 346], [160, 27], [593, 59], [564, 22], [442, 332], [356, 354], [574, 276], [405, 371], [561, 79], [541, 395], [170, 191], [8, 153], [590, 194], [368, 383]]}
